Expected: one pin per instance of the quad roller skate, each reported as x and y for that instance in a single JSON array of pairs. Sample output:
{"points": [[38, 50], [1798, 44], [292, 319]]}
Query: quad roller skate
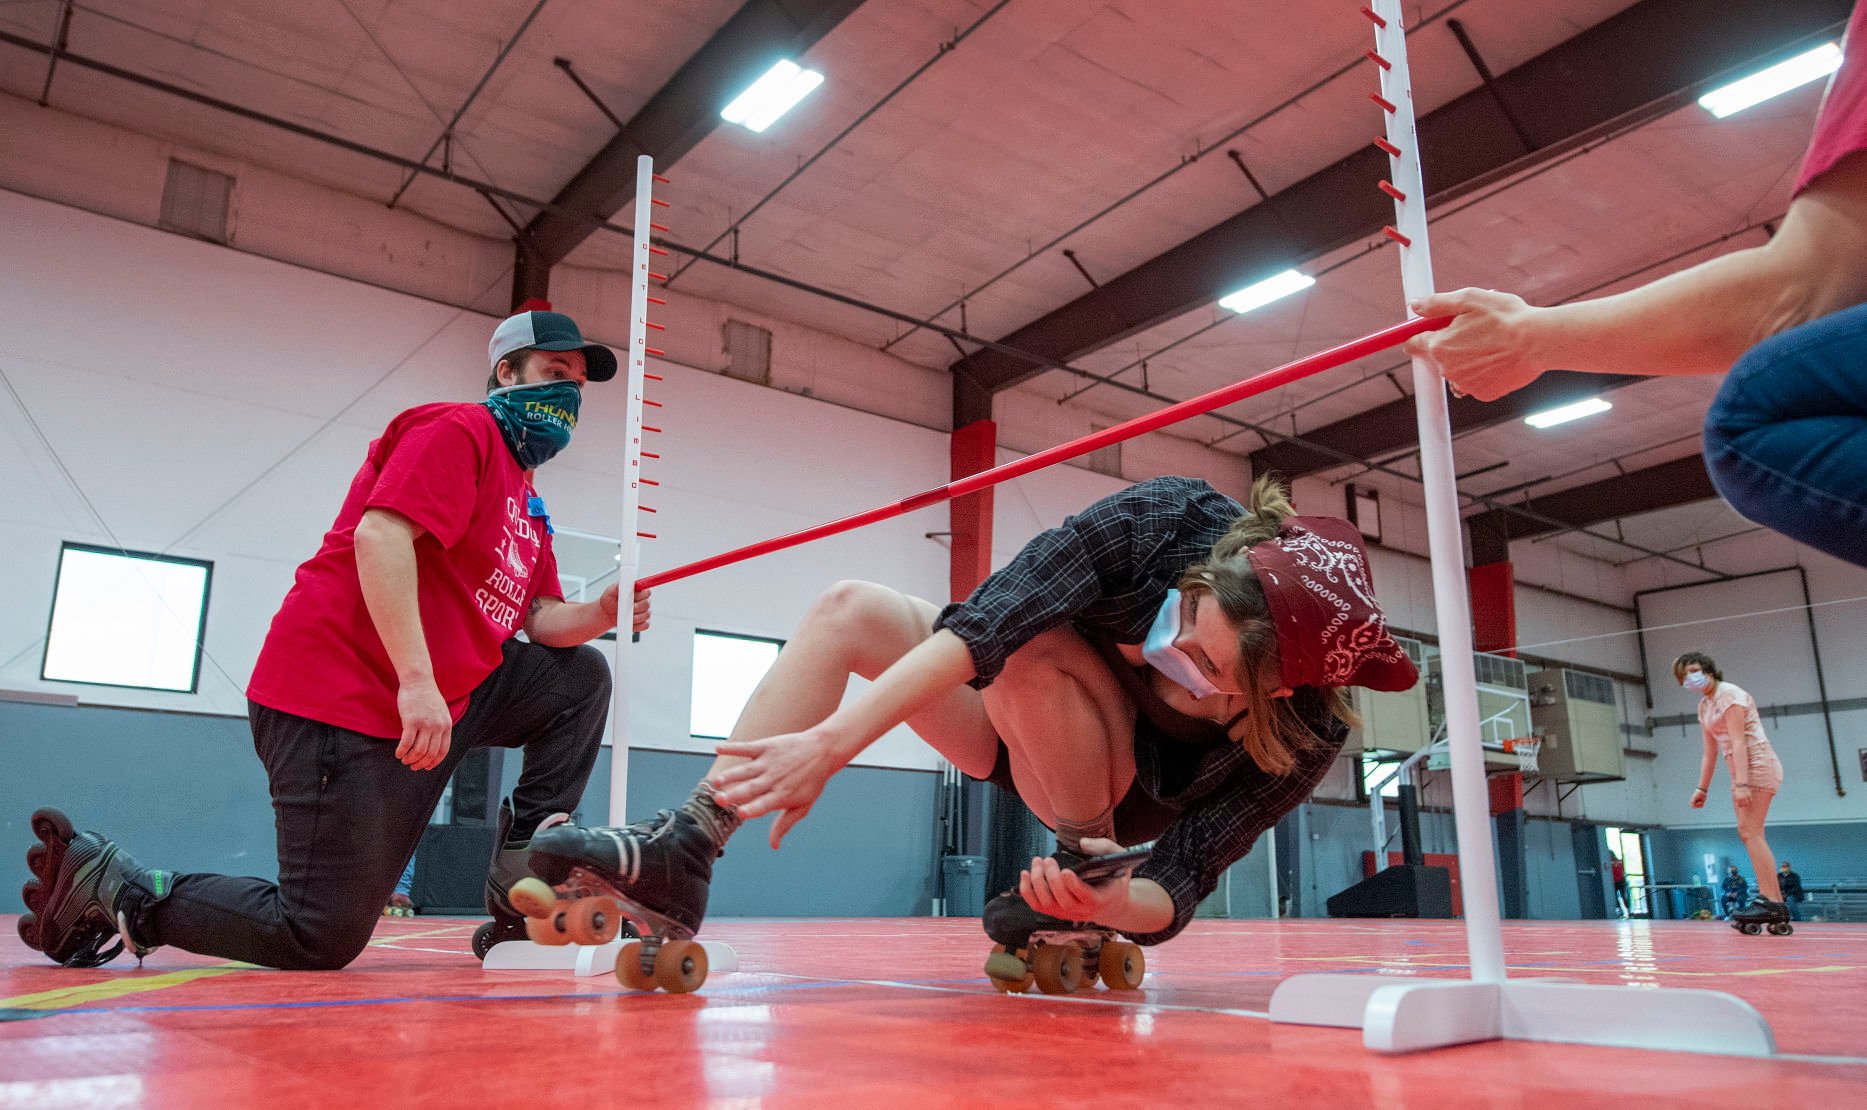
{"points": [[509, 866], [83, 894], [1762, 914], [1058, 956], [652, 875]]}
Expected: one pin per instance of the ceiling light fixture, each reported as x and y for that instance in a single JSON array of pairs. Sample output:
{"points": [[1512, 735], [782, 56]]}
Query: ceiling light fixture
{"points": [[771, 96], [1273, 288], [1562, 414], [1774, 81]]}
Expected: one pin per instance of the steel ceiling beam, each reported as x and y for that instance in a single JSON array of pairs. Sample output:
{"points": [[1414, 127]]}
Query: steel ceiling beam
{"points": [[1392, 426], [1679, 482], [1645, 61], [671, 123]]}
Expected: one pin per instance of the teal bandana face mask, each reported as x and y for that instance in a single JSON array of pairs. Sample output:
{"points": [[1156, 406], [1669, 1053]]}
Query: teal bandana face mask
{"points": [[536, 419]]}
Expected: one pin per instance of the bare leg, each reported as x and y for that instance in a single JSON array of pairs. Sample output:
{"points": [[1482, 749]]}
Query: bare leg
{"points": [[1750, 829], [1069, 728], [860, 628]]}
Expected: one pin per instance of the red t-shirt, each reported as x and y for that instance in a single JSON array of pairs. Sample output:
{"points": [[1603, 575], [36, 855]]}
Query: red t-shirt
{"points": [[479, 565], [1841, 128]]}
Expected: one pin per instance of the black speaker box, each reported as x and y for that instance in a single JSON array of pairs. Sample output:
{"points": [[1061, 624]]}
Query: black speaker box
{"points": [[1404, 890]]}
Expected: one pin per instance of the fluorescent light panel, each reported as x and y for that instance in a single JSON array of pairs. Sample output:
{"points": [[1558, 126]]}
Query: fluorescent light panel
{"points": [[1562, 414], [1273, 288], [1774, 81], [771, 96]]}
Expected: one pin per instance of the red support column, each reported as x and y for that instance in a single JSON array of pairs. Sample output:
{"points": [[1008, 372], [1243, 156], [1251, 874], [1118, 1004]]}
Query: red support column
{"points": [[1494, 608], [974, 448]]}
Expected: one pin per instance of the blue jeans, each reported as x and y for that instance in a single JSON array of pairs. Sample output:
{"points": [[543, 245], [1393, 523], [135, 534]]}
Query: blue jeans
{"points": [[1786, 438]]}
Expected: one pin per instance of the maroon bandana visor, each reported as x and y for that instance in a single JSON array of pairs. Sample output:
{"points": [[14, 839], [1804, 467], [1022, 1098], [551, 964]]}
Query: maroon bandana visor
{"points": [[1330, 630]]}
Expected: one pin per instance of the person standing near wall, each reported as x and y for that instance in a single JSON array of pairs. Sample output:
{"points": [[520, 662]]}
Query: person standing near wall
{"points": [[1727, 716], [1618, 872], [393, 655]]}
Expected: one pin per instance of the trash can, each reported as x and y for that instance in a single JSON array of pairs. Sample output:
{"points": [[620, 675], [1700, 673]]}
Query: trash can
{"points": [[964, 885]]}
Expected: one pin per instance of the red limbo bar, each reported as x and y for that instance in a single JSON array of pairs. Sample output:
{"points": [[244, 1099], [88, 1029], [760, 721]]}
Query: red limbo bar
{"points": [[1140, 425]]}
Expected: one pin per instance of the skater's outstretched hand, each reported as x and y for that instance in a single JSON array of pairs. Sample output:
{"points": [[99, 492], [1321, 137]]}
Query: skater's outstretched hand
{"points": [[781, 773], [1048, 888]]}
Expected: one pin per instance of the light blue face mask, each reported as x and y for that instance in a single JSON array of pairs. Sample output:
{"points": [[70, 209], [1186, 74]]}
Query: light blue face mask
{"points": [[1160, 653], [1697, 680]]}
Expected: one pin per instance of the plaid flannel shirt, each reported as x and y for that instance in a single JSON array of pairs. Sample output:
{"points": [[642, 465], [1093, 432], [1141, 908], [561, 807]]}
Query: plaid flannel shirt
{"points": [[1106, 570]]}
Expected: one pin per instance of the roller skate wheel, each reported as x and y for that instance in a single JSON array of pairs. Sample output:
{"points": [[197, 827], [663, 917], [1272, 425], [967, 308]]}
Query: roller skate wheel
{"points": [[680, 966], [484, 938], [592, 920], [532, 897], [1750, 928], [1058, 968], [29, 930], [1004, 964], [35, 861], [629, 969], [1781, 928], [33, 894], [50, 825], [546, 930], [1123, 966]]}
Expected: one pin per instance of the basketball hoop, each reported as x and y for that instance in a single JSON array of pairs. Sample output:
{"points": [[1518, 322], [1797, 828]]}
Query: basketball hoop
{"points": [[1525, 749]]}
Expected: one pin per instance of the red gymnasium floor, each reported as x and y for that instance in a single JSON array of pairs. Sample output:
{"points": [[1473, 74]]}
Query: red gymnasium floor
{"points": [[894, 1013]]}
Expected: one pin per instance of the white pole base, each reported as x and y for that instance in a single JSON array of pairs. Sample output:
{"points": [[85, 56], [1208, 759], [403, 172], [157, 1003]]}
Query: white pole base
{"points": [[1422, 1014], [585, 960], [1434, 1013]]}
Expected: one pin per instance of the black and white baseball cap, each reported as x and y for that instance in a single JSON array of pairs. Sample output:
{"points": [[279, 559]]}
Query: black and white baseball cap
{"points": [[550, 331]]}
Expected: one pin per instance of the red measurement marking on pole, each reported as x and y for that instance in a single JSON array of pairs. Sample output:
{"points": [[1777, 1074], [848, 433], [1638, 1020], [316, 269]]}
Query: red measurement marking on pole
{"points": [[653, 377], [1374, 15], [1396, 236], [661, 179], [646, 509], [1377, 59], [650, 455], [657, 327], [650, 428], [653, 226], [658, 202], [647, 535], [1388, 188], [1386, 104], [656, 276], [658, 250], [657, 300], [651, 404], [656, 351], [648, 481], [1390, 148]]}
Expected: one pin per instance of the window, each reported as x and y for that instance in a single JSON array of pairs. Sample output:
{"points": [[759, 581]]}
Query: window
{"points": [[126, 618], [727, 667]]}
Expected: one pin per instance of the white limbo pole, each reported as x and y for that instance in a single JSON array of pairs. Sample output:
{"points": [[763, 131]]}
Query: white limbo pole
{"points": [[1404, 1017], [629, 553], [584, 960]]}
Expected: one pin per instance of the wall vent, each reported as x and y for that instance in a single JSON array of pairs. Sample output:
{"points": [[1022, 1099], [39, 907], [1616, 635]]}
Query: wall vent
{"points": [[195, 201], [748, 351]]}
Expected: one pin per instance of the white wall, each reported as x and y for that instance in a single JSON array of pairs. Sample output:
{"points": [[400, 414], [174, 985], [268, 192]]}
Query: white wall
{"points": [[214, 404]]}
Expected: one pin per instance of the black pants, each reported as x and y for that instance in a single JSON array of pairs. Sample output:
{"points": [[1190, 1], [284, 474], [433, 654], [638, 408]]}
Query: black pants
{"points": [[349, 815]]}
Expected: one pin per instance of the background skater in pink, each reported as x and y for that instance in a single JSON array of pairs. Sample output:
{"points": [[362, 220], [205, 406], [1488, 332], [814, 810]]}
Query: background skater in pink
{"points": [[1728, 716]]}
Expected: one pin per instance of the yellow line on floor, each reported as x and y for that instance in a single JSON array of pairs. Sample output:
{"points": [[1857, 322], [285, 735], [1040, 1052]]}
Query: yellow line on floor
{"points": [[450, 931], [115, 988]]}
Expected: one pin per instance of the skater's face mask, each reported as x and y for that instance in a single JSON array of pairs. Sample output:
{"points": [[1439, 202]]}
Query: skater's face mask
{"points": [[1694, 679], [1193, 644]]}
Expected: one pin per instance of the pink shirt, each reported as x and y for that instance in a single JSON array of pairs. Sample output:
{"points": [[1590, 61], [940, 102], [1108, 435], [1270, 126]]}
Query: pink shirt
{"points": [[1841, 129], [481, 561], [1764, 770]]}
